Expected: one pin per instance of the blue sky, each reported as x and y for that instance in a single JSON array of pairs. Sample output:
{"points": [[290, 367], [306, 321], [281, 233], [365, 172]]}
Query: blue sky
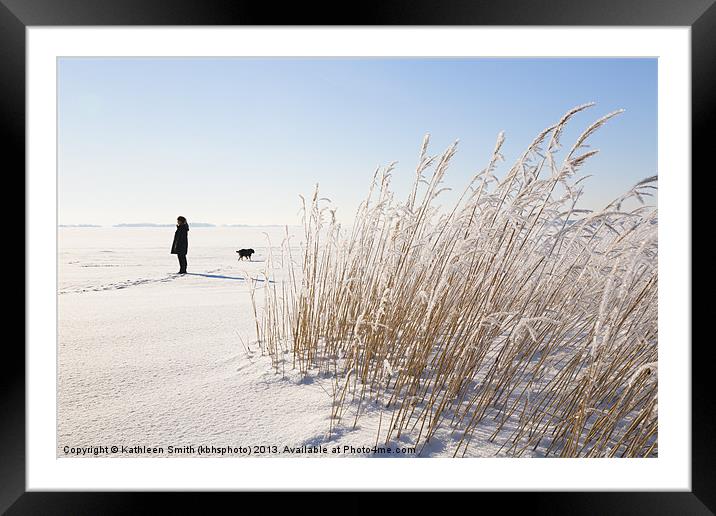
{"points": [[234, 141]]}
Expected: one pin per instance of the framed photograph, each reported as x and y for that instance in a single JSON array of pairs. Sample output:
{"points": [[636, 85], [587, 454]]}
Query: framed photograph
{"points": [[265, 251]]}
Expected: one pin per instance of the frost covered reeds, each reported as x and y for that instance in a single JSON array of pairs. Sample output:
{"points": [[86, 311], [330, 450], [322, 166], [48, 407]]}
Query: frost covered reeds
{"points": [[512, 313]]}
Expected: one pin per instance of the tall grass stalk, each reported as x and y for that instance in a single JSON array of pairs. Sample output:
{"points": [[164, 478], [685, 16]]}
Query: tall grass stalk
{"points": [[512, 315]]}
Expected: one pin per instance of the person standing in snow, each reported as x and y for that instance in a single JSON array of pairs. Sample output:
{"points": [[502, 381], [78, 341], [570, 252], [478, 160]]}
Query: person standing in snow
{"points": [[181, 243]]}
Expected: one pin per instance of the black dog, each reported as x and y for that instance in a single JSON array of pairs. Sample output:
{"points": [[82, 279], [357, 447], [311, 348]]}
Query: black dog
{"points": [[245, 253]]}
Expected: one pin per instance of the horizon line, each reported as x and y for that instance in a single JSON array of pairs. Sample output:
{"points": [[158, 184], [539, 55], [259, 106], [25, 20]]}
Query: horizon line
{"points": [[157, 225]]}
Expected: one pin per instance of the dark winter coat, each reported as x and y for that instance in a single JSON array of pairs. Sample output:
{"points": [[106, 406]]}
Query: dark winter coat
{"points": [[181, 242]]}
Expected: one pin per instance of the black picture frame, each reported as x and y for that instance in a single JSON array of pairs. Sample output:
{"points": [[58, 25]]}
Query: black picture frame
{"points": [[16, 15]]}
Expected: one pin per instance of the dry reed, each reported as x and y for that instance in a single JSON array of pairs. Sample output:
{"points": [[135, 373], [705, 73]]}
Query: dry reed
{"points": [[513, 313]]}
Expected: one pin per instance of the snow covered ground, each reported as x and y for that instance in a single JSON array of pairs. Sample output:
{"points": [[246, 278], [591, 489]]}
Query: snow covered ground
{"points": [[148, 358]]}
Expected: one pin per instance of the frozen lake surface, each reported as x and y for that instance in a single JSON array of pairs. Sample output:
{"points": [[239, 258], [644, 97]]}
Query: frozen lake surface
{"points": [[148, 358]]}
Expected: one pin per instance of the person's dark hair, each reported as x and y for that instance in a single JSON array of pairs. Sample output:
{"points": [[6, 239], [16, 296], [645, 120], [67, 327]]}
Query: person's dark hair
{"points": [[181, 219]]}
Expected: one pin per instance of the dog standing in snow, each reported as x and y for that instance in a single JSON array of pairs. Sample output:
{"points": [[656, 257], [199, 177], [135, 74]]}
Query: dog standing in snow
{"points": [[245, 253]]}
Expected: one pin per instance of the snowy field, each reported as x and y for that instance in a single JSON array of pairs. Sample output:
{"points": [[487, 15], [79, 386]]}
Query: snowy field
{"points": [[150, 358]]}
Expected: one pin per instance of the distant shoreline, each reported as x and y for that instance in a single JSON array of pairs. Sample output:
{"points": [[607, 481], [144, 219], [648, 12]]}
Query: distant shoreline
{"points": [[194, 225]]}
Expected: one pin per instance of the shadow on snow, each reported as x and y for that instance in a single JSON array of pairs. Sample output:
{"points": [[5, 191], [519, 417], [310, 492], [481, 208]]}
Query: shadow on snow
{"points": [[219, 276]]}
